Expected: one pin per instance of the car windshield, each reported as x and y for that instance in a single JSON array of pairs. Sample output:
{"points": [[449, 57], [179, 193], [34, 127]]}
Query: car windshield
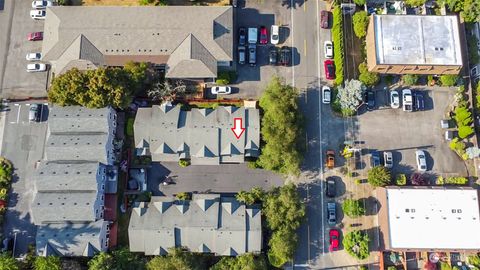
{"points": [[275, 36]]}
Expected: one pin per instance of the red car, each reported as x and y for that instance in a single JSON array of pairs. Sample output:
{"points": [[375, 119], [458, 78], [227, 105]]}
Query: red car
{"points": [[324, 18], [334, 239], [329, 66], [263, 35], [35, 36]]}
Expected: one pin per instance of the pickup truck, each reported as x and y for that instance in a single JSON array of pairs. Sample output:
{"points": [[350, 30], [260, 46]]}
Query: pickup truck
{"points": [[407, 100]]}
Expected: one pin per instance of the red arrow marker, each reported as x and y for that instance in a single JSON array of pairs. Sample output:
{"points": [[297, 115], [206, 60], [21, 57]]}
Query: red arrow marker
{"points": [[238, 129]]}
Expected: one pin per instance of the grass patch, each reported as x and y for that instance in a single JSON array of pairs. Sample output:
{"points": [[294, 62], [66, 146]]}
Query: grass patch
{"points": [[129, 126]]}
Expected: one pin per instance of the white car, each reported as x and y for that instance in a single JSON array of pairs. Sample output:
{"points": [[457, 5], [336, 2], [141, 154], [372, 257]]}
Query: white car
{"points": [[38, 14], [394, 99], [33, 56], [326, 94], [328, 49], [221, 90], [421, 160], [274, 34], [407, 100], [41, 4], [39, 67], [388, 159]]}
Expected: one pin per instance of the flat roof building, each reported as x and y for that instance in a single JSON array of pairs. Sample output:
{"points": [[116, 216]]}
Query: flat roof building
{"points": [[429, 219], [414, 44]]}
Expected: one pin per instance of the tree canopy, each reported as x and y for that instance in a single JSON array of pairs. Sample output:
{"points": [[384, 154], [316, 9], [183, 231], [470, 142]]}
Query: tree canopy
{"points": [[350, 96], [379, 176], [353, 208], [448, 80], [176, 259], [409, 79], [360, 23], [247, 261], [282, 247], [281, 128], [7, 262], [356, 244], [415, 3], [469, 9], [283, 208], [47, 263], [366, 77], [101, 261], [98, 88], [255, 195]]}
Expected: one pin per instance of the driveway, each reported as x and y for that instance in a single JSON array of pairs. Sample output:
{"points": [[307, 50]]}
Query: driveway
{"points": [[23, 144], [226, 178], [402, 133], [15, 81]]}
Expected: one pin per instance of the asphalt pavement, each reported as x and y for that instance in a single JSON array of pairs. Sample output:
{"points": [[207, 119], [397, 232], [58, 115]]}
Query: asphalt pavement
{"points": [[23, 144]]}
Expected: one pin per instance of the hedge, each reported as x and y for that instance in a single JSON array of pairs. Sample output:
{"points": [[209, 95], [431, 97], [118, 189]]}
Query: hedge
{"points": [[337, 36]]}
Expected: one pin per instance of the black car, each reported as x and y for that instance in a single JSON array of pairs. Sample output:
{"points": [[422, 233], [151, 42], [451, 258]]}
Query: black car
{"points": [[370, 99], [419, 101], [272, 56], [242, 36], [285, 54], [331, 190], [375, 159]]}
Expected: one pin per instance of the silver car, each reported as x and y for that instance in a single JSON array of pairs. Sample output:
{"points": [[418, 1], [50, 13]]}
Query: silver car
{"points": [[394, 99], [421, 160], [388, 159]]}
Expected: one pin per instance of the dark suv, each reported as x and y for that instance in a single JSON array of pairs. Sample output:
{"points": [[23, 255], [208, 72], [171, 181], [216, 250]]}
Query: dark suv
{"points": [[419, 101], [331, 189], [285, 53], [272, 56]]}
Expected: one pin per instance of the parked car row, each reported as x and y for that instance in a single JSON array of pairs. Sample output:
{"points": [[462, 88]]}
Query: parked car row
{"points": [[412, 100], [247, 49], [37, 13], [375, 160]]}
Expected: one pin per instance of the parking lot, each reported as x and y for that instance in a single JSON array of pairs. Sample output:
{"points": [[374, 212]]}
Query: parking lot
{"points": [[402, 133], [225, 178], [23, 144], [252, 79], [15, 81]]}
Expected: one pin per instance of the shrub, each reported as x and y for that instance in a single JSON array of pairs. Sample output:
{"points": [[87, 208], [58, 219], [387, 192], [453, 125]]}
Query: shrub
{"points": [[356, 244], [472, 152], [379, 176], [129, 126], [418, 179], [359, 2], [226, 77], [183, 196], [448, 80], [440, 180], [465, 131], [184, 163], [409, 79], [353, 208], [391, 268], [358, 181], [456, 180], [253, 165], [360, 23], [463, 116], [363, 267], [401, 180], [337, 37], [415, 3], [473, 49], [350, 96], [367, 77]]}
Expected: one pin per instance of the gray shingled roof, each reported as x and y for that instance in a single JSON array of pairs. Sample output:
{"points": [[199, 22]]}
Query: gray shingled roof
{"points": [[208, 223], [70, 239], [63, 206], [95, 33], [77, 147], [204, 135], [74, 177], [77, 119]]}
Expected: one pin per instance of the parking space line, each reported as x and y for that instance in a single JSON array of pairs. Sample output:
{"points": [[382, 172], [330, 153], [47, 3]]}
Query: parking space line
{"points": [[18, 114], [305, 47]]}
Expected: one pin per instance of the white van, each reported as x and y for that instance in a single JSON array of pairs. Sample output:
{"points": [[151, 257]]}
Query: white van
{"points": [[252, 35]]}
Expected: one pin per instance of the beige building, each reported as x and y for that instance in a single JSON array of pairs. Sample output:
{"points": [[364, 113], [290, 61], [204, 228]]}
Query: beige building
{"points": [[414, 219], [413, 44]]}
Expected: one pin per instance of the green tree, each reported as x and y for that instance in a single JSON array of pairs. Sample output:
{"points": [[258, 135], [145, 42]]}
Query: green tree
{"points": [[47, 263], [469, 9], [247, 261], [138, 73], [69, 88], [283, 209], [359, 2], [360, 23], [176, 259], [101, 261], [415, 3], [474, 260], [281, 128], [448, 80], [183, 196], [409, 79], [401, 180], [465, 131], [463, 116], [126, 260], [353, 208], [366, 77], [282, 247], [7, 262], [356, 244], [379, 176], [255, 195]]}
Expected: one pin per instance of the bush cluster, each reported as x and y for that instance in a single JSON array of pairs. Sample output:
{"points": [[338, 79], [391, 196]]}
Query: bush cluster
{"points": [[367, 77], [456, 180], [337, 37], [360, 23], [401, 180], [226, 77], [353, 208], [409, 79], [448, 80], [379, 176], [459, 147], [463, 118], [356, 244]]}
